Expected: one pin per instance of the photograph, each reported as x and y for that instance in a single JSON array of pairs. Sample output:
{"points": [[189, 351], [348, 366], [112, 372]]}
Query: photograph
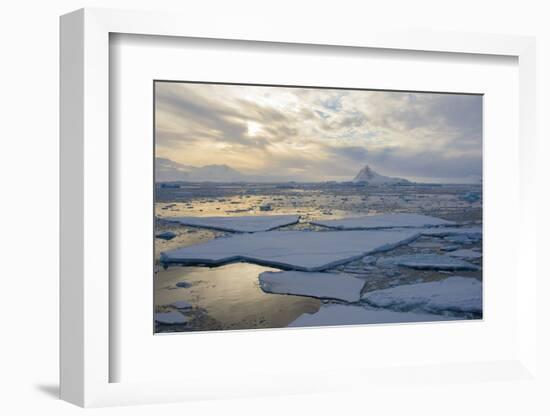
{"points": [[282, 206]]}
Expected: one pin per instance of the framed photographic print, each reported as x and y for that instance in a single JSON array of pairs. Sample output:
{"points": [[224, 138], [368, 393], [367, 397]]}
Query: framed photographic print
{"points": [[272, 212], [269, 212]]}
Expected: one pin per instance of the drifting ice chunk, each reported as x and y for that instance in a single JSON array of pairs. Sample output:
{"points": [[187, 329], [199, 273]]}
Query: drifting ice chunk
{"points": [[171, 318], [425, 244], [466, 254], [181, 304], [427, 262], [450, 247], [166, 235], [297, 250], [317, 285], [459, 239], [455, 294], [384, 221], [356, 315], [244, 224], [473, 233]]}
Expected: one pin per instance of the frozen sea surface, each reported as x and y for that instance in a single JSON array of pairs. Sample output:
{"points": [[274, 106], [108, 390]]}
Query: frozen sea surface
{"points": [[334, 314], [171, 318], [240, 224], [465, 253], [295, 250], [315, 284], [384, 221], [454, 294], [229, 296], [428, 262]]}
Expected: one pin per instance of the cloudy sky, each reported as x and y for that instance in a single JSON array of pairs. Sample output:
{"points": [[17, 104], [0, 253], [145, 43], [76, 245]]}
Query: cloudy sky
{"points": [[309, 134]]}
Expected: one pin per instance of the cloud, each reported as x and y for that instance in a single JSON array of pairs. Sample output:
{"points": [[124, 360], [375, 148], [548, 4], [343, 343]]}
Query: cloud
{"points": [[320, 134]]}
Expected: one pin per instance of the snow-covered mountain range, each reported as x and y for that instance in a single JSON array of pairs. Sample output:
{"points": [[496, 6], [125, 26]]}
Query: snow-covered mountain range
{"points": [[167, 170]]}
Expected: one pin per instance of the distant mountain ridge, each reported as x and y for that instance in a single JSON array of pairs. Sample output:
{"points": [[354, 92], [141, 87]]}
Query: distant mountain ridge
{"points": [[366, 174], [167, 170]]}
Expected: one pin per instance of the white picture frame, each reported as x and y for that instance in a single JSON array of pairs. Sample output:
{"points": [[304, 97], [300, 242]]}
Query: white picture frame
{"points": [[85, 210]]}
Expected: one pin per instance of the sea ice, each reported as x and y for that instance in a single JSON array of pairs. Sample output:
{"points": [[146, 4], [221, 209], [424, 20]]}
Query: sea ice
{"points": [[171, 318], [242, 224], [166, 235], [465, 254], [316, 284], [297, 250], [470, 232], [460, 239], [384, 221], [454, 294], [356, 315], [181, 304], [427, 262], [450, 247], [425, 244]]}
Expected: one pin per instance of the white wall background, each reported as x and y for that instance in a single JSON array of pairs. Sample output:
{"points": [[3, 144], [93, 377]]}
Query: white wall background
{"points": [[29, 209]]}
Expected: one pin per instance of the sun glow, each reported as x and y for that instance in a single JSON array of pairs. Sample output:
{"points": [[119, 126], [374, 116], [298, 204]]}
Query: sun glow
{"points": [[253, 128]]}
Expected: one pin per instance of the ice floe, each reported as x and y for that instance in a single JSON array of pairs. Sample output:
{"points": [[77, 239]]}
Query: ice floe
{"points": [[454, 294], [427, 262], [297, 250], [425, 244], [166, 235], [450, 247], [181, 304], [458, 239], [315, 284], [384, 221], [171, 318], [356, 315], [465, 254], [241, 224], [454, 234]]}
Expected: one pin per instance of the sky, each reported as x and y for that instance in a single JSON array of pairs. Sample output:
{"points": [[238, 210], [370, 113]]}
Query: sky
{"points": [[309, 134]]}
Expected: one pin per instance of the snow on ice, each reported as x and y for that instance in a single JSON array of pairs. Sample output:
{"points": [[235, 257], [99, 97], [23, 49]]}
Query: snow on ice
{"points": [[171, 318], [181, 304], [242, 224], [318, 285], [465, 254], [356, 315], [297, 250], [454, 294], [427, 262], [384, 221]]}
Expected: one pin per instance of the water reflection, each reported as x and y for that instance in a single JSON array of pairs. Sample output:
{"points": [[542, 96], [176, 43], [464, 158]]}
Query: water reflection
{"points": [[228, 297]]}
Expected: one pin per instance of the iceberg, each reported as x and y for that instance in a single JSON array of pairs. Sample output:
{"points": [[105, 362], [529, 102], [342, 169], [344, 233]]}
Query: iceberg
{"points": [[315, 284], [242, 224], [454, 294], [427, 262], [384, 221], [294, 250], [356, 315]]}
